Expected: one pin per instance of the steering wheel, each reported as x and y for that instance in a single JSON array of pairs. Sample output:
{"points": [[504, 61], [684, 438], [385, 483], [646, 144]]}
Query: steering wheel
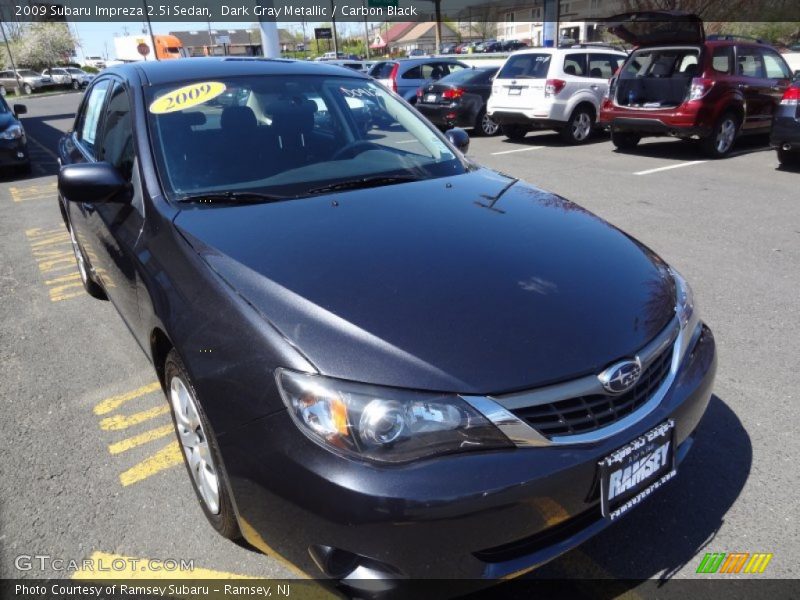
{"points": [[355, 148]]}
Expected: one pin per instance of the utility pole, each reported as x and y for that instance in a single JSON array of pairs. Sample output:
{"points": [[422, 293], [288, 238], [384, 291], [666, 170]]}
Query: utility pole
{"points": [[10, 57], [270, 40], [333, 26], [150, 27]]}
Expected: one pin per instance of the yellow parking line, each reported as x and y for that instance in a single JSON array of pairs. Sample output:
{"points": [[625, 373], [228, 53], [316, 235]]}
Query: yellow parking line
{"points": [[117, 566], [252, 536], [138, 440], [109, 404], [118, 422], [169, 456]]}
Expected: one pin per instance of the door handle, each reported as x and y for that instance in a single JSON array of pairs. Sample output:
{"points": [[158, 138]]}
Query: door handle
{"points": [[594, 86], [89, 208]]}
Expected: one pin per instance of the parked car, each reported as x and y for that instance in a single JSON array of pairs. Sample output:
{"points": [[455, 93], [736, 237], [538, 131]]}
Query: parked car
{"points": [[28, 80], [459, 100], [309, 305], [513, 45], [448, 48], [355, 65], [678, 83], [786, 126], [553, 88], [98, 62], [492, 46], [415, 52], [69, 76], [405, 76], [13, 141]]}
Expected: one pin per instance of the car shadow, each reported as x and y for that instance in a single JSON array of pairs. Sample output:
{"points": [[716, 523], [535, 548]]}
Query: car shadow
{"points": [[671, 529], [546, 137], [677, 149]]}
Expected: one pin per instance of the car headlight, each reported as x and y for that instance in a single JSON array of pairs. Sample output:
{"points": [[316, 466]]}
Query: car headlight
{"points": [[384, 424], [684, 301], [14, 132]]}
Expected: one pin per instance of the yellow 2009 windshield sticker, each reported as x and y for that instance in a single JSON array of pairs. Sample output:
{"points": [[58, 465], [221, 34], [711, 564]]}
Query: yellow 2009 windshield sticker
{"points": [[186, 97]]}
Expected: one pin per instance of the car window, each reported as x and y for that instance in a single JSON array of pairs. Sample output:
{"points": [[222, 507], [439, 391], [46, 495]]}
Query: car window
{"points": [[89, 118], [116, 145], [603, 66], [662, 62], [293, 134], [749, 62], [450, 68], [575, 64], [774, 65], [27, 73], [525, 66], [382, 70], [722, 59]]}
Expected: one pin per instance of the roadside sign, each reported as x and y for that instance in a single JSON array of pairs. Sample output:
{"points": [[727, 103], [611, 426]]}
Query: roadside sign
{"points": [[223, 40], [143, 49], [323, 33]]}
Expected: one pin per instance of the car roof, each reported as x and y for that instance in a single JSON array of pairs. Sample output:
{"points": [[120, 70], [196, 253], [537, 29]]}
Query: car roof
{"points": [[189, 69]]}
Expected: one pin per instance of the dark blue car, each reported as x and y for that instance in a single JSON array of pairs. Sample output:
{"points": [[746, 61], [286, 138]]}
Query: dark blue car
{"points": [[382, 360]]}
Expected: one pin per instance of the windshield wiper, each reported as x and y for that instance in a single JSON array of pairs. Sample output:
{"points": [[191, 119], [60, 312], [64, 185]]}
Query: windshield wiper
{"points": [[230, 198], [362, 182]]}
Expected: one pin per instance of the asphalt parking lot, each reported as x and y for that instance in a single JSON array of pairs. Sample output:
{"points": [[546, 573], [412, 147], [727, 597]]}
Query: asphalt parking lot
{"points": [[88, 460]]}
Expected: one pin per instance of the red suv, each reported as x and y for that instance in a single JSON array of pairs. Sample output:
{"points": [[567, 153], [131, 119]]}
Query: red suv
{"points": [[677, 82]]}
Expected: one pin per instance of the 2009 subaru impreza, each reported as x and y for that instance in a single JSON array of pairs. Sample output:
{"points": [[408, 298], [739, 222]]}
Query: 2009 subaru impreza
{"points": [[382, 360]]}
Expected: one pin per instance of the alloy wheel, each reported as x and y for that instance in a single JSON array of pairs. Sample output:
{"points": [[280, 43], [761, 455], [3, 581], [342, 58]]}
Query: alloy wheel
{"points": [[581, 126], [488, 127], [195, 444], [726, 135]]}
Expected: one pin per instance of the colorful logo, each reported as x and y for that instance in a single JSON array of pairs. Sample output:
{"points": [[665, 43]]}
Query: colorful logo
{"points": [[734, 562]]}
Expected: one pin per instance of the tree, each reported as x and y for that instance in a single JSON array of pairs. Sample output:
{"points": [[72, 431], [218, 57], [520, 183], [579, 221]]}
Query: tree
{"points": [[42, 45]]}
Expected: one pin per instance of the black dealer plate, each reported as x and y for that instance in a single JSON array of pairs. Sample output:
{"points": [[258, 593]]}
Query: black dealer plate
{"points": [[630, 474]]}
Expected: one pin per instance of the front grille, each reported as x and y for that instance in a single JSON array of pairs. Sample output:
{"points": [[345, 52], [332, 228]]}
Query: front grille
{"points": [[584, 414]]}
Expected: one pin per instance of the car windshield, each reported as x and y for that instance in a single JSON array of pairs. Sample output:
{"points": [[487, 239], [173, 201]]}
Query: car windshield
{"points": [[75, 71], [525, 66], [27, 73], [289, 137]]}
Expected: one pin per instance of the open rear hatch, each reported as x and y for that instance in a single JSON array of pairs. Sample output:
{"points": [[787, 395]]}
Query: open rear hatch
{"points": [[655, 28]]}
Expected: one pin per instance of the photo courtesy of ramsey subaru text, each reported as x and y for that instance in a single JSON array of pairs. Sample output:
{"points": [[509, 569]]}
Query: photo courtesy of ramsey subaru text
{"points": [[367, 368]]}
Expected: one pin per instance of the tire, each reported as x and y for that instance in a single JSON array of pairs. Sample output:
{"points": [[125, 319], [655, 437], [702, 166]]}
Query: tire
{"points": [[199, 448], [788, 158], [75, 84], [514, 132], [27, 89], [723, 136], [625, 140], [89, 284], [579, 128], [484, 124]]}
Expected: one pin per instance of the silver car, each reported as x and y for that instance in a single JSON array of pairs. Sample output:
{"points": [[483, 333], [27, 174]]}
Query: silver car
{"points": [[29, 81], [69, 76], [405, 75]]}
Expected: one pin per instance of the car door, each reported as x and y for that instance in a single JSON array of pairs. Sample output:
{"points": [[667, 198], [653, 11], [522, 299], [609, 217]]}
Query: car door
{"points": [[779, 77], [751, 80], [116, 226], [79, 146]]}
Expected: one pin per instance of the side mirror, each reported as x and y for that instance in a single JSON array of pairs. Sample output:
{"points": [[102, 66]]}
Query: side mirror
{"points": [[459, 138], [20, 109], [92, 182]]}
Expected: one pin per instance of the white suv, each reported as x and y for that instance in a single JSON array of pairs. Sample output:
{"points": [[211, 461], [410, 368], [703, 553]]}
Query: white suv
{"points": [[553, 88]]}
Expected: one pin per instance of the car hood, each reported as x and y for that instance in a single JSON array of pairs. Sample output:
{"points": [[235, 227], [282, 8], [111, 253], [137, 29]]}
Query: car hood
{"points": [[471, 284], [657, 27]]}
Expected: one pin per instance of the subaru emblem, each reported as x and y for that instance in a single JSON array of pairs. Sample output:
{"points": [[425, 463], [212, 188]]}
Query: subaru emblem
{"points": [[622, 376]]}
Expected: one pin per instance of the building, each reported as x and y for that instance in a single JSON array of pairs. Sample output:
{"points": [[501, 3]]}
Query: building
{"points": [[526, 24], [422, 36], [385, 36], [233, 42]]}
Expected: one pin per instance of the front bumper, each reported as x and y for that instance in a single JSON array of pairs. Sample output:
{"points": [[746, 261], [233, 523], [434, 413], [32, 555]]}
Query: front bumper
{"points": [[14, 153], [473, 515]]}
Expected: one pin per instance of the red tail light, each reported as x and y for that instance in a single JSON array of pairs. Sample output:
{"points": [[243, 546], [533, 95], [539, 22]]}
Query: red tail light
{"points": [[419, 92], [453, 94], [553, 86], [791, 97], [393, 76], [699, 88]]}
